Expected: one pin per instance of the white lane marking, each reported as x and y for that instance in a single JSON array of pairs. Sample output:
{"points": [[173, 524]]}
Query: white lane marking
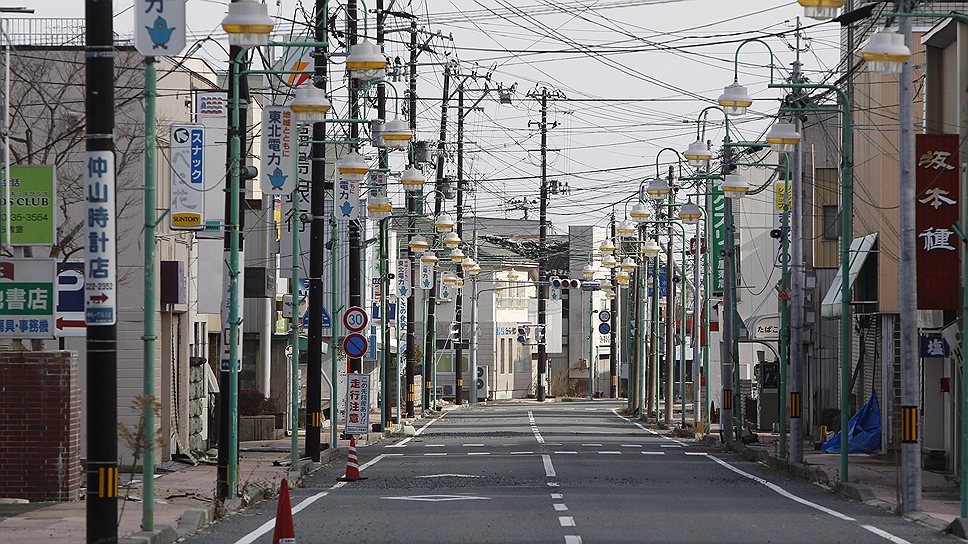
{"points": [[269, 525], [552, 484], [556, 496], [631, 445], [567, 452], [653, 453], [644, 428], [592, 445], [700, 453], [434, 454], [479, 453], [572, 539], [610, 453], [473, 445], [784, 493], [549, 468], [566, 521], [560, 507], [534, 428], [434, 445], [403, 443], [437, 498], [670, 446], [521, 452], [450, 476], [552, 443]]}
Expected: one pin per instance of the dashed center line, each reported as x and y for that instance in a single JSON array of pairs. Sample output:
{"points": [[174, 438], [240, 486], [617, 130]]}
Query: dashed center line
{"points": [[653, 453], [566, 521], [567, 452], [592, 445], [473, 445], [479, 453], [521, 453], [560, 507], [534, 428], [549, 468], [631, 445], [435, 454], [610, 453]]}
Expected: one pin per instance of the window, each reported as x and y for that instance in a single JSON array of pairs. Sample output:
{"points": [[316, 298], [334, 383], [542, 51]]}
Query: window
{"points": [[831, 223], [500, 353]]}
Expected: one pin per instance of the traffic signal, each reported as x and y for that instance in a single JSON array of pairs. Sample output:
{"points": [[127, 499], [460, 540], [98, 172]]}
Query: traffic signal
{"points": [[455, 329], [539, 334], [565, 283], [523, 335]]}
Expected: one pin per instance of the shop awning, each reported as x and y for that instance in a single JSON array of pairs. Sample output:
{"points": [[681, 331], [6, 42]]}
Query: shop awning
{"points": [[859, 249]]}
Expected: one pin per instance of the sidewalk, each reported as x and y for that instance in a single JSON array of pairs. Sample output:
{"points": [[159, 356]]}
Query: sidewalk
{"points": [[872, 479], [183, 495]]}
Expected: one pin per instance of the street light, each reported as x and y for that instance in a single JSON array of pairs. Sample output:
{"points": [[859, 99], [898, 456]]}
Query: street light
{"points": [[735, 99], [514, 275], [248, 23], [735, 186], [444, 223], [412, 180], [607, 247], [690, 213], [456, 255], [396, 134], [783, 137], [366, 62], [698, 155], [468, 264], [378, 207], [452, 240], [352, 166], [651, 248], [608, 261], [821, 10], [588, 273], [658, 189], [629, 264], [640, 212], [886, 53], [310, 104], [418, 243], [626, 228]]}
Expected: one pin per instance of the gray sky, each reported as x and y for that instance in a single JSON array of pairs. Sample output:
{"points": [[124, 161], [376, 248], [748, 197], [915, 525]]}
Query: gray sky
{"points": [[673, 56]]}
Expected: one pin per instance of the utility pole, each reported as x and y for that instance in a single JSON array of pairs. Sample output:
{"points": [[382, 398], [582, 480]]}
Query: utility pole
{"points": [[411, 202], [655, 344], [430, 333], [102, 370], [543, 250], [458, 336], [910, 372], [670, 324], [726, 315], [228, 453], [795, 387], [613, 312], [383, 261], [698, 287], [355, 264], [317, 244]]}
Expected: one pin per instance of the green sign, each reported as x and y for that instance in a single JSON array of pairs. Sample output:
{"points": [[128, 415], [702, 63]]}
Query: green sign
{"points": [[27, 298], [33, 195], [718, 232]]}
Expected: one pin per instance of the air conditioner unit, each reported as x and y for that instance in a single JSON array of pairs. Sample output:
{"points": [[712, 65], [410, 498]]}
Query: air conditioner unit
{"points": [[482, 383]]}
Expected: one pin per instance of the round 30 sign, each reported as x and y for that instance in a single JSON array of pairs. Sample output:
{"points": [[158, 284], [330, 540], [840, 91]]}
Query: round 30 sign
{"points": [[355, 319]]}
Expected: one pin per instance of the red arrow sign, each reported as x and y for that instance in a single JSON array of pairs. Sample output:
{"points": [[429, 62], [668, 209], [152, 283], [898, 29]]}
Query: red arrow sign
{"points": [[102, 298], [63, 323]]}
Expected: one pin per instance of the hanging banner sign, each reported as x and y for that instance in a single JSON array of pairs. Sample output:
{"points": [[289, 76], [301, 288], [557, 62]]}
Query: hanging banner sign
{"points": [[426, 277], [937, 195], [719, 239], [347, 200], [357, 419], [404, 278], [187, 176], [100, 287], [159, 27], [212, 112], [276, 177], [444, 291]]}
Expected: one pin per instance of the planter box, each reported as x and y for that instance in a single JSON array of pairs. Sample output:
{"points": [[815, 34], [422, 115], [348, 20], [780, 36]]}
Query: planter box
{"points": [[257, 428]]}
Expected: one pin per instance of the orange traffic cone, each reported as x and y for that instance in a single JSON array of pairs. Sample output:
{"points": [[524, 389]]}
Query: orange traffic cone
{"points": [[284, 533], [352, 464]]}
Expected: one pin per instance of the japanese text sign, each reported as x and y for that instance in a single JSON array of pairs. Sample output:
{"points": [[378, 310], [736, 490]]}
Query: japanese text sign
{"points": [[937, 196], [357, 420], [718, 230], [187, 176], [276, 176], [404, 278], [33, 194], [27, 298], [159, 27], [100, 288]]}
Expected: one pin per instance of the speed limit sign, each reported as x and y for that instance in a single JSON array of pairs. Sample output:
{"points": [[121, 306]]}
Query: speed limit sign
{"points": [[355, 319]]}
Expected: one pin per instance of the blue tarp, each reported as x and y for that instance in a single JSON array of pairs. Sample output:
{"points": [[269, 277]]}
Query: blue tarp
{"points": [[863, 431]]}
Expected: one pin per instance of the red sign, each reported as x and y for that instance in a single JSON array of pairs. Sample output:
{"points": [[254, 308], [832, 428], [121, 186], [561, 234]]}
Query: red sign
{"points": [[692, 245], [937, 205]]}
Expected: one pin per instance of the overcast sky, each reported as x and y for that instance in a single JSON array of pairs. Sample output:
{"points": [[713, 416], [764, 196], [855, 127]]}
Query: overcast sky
{"points": [[673, 57]]}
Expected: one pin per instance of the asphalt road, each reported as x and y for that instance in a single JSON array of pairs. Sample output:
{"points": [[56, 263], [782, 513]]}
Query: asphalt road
{"points": [[563, 472]]}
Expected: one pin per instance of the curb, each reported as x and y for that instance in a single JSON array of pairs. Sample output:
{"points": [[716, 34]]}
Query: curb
{"points": [[857, 492]]}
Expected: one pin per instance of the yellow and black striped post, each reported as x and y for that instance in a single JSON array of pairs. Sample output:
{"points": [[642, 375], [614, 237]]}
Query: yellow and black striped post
{"points": [[796, 405], [316, 420], [107, 482], [909, 424], [727, 399]]}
